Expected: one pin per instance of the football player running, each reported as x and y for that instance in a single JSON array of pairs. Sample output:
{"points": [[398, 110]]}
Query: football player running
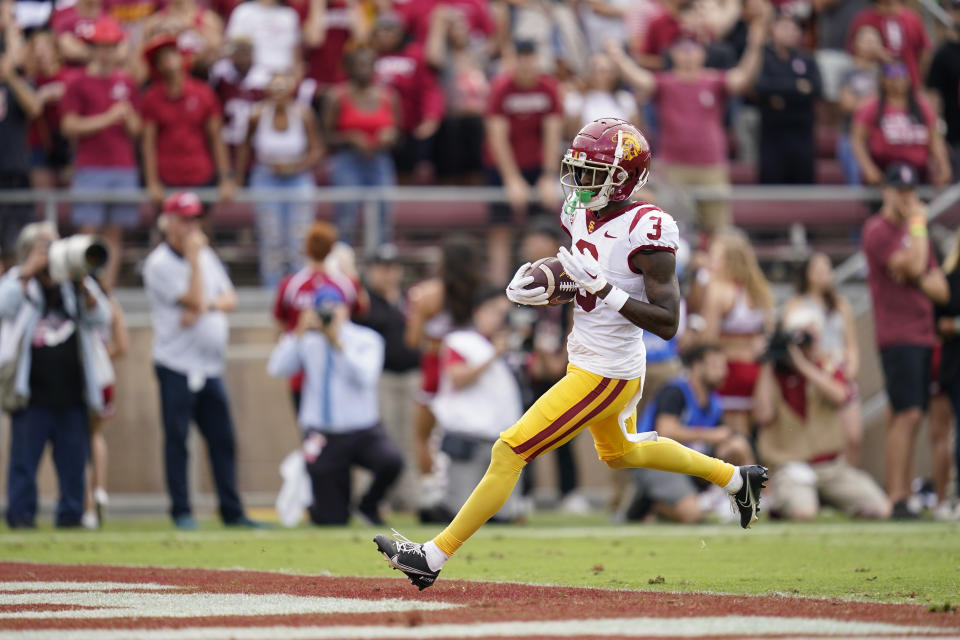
{"points": [[622, 257]]}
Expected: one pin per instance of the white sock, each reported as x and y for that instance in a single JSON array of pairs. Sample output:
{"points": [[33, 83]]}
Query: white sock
{"points": [[736, 482], [435, 557]]}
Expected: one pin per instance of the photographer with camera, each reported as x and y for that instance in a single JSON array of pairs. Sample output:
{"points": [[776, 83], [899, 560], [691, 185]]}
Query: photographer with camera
{"points": [[798, 403], [50, 309], [190, 295], [905, 282], [339, 415]]}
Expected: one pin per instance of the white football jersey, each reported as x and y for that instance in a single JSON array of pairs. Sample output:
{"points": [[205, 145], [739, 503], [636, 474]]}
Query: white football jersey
{"points": [[602, 340]]}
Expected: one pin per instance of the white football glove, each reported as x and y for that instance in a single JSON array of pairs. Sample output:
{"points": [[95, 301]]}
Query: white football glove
{"points": [[583, 269], [517, 293]]}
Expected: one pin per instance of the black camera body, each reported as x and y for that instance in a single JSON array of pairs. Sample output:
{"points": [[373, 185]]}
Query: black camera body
{"points": [[778, 343], [325, 311]]}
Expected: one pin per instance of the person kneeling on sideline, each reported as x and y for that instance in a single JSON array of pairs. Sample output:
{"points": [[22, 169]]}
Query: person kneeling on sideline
{"points": [[798, 403], [688, 409], [339, 416]]}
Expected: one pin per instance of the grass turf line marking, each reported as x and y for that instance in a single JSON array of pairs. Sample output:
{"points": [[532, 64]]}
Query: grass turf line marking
{"points": [[130, 604], [740, 626]]}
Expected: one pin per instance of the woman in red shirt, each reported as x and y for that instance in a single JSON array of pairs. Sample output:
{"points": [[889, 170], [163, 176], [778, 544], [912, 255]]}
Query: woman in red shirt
{"points": [[898, 126], [361, 125], [182, 142]]}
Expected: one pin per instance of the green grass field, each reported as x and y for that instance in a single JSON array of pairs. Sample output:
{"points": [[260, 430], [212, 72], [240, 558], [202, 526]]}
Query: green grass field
{"points": [[891, 562]]}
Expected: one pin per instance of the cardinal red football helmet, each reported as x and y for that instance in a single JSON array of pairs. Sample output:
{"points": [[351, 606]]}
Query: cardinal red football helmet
{"points": [[607, 160]]}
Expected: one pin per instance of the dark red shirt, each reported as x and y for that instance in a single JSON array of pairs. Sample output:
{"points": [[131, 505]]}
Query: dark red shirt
{"points": [[296, 293], [897, 137], [416, 15], [88, 95], [42, 129], [68, 21], [421, 97], [691, 118], [662, 32], [525, 109], [325, 63], [184, 157], [903, 36], [237, 99], [902, 314], [793, 388]]}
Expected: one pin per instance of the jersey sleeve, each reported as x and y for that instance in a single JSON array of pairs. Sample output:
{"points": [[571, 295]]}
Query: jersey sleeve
{"points": [[652, 230]]}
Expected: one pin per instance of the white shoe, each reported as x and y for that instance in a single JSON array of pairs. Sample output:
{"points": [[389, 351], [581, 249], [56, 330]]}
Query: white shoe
{"points": [[100, 501], [575, 504], [89, 520], [715, 501], [947, 511]]}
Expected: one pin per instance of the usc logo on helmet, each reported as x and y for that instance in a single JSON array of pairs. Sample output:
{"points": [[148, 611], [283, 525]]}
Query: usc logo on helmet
{"points": [[632, 145]]}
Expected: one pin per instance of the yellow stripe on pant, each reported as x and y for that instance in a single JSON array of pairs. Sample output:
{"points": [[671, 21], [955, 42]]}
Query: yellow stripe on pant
{"points": [[577, 401]]}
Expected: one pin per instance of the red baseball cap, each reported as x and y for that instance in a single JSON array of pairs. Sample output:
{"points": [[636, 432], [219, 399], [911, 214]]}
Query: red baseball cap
{"points": [[183, 204], [105, 30], [156, 43]]}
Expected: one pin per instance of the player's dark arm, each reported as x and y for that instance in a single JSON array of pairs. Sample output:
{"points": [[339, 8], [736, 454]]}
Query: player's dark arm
{"points": [[661, 315]]}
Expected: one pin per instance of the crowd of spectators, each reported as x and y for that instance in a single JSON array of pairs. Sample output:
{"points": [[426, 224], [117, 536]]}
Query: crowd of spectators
{"points": [[363, 93], [101, 95]]}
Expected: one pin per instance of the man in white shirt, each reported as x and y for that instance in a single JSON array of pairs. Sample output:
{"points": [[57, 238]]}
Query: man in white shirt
{"points": [[478, 398], [341, 363], [190, 295], [274, 30]]}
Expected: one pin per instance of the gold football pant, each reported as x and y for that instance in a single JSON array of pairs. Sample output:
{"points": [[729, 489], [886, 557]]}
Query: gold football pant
{"points": [[580, 400]]}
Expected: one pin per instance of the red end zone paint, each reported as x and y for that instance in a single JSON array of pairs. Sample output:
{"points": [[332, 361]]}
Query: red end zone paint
{"points": [[52, 599]]}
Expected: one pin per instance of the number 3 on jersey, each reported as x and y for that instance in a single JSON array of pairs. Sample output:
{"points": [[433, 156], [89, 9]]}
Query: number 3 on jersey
{"points": [[657, 228], [588, 301]]}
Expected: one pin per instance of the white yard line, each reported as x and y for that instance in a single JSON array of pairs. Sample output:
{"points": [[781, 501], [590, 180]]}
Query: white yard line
{"points": [[133, 603], [740, 626]]}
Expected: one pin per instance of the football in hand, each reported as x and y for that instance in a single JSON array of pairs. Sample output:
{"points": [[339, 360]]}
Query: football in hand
{"points": [[549, 274]]}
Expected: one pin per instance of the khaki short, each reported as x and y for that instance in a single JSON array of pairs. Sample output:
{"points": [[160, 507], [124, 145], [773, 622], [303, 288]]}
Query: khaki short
{"points": [[712, 215], [799, 487]]}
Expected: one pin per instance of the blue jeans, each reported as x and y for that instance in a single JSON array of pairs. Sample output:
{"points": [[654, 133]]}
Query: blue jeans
{"points": [[281, 226], [851, 170], [30, 430], [105, 179], [350, 169], [209, 408]]}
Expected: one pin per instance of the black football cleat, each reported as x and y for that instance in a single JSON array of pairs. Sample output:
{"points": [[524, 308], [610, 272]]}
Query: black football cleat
{"points": [[747, 499], [407, 556]]}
